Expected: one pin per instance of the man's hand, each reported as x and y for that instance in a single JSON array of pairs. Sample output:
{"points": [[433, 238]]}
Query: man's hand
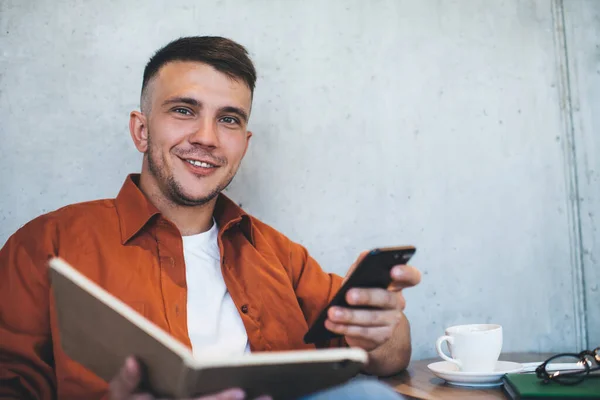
{"points": [[371, 328], [124, 385]]}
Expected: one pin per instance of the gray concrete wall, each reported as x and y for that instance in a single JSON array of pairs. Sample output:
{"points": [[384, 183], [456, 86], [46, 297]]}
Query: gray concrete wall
{"points": [[447, 125], [582, 28]]}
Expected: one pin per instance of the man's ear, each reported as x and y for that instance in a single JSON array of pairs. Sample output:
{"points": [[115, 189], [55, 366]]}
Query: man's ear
{"points": [[248, 136], [138, 128]]}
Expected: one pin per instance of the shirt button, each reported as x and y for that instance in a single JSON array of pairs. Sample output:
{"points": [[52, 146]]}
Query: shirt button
{"points": [[245, 308]]}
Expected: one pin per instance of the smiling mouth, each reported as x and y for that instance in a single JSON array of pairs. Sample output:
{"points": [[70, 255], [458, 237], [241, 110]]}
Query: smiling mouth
{"points": [[202, 164]]}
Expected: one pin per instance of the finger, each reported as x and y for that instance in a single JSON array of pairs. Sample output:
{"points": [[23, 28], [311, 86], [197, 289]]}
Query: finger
{"points": [[364, 344], [400, 300], [340, 315], [126, 381], [379, 298], [144, 396], [404, 276], [377, 334], [229, 394], [264, 398]]}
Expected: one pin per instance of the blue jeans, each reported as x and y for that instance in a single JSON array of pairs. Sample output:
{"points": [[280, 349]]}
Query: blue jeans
{"points": [[357, 388]]}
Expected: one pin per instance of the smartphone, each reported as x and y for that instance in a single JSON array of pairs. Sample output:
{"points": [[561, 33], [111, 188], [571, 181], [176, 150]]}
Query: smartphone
{"points": [[373, 272]]}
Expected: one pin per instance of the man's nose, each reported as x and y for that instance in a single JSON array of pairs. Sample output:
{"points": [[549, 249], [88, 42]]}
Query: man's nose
{"points": [[205, 134]]}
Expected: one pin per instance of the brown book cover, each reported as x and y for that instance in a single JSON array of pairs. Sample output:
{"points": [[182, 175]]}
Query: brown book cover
{"points": [[99, 331]]}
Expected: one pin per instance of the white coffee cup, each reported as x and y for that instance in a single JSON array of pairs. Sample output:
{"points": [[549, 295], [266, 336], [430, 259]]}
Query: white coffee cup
{"points": [[474, 348]]}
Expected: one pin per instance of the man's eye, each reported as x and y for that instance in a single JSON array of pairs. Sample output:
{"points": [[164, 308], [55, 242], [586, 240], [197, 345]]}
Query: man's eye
{"points": [[230, 120], [182, 111]]}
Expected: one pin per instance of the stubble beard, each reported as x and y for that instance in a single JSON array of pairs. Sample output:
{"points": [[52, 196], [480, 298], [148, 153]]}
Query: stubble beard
{"points": [[172, 189]]}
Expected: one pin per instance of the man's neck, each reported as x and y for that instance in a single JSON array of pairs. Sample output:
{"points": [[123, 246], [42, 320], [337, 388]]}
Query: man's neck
{"points": [[189, 220]]}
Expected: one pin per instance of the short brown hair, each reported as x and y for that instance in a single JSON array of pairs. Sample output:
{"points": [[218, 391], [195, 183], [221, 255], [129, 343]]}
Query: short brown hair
{"points": [[222, 54]]}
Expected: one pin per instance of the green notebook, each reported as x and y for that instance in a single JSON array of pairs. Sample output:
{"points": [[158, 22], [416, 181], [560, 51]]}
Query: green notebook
{"points": [[529, 386]]}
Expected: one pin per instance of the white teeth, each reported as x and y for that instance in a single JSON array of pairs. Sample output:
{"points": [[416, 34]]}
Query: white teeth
{"points": [[200, 164]]}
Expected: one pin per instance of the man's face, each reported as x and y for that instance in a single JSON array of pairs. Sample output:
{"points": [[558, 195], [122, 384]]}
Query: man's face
{"points": [[197, 131]]}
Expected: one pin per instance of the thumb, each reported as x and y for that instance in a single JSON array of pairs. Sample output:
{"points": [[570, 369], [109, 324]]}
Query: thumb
{"points": [[126, 381]]}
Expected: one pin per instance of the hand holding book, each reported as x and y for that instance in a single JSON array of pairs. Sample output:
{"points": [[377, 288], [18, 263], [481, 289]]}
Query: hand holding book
{"points": [[100, 332], [126, 385]]}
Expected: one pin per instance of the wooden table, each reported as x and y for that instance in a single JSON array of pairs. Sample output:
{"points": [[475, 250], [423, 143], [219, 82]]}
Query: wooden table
{"points": [[420, 383]]}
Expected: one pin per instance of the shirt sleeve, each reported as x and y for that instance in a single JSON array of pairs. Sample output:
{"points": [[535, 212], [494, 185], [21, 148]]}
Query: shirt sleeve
{"points": [[26, 357], [314, 287]]}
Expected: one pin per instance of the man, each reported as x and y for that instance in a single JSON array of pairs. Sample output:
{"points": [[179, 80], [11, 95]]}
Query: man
{"points": [[177, 250]]}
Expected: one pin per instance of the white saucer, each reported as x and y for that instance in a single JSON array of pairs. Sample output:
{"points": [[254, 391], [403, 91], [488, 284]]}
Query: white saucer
{"points": [[450, 373]]}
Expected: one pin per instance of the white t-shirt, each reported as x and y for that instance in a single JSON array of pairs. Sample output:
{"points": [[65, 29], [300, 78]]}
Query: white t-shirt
{"points": [[214, 323]]}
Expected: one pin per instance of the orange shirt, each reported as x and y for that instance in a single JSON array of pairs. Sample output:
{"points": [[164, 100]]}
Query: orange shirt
{"points": [[127, 247]]}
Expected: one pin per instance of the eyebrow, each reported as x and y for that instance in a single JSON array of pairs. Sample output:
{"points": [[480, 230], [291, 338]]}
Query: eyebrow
{"points": [[236, 110], [186, 100], [195, 103]]}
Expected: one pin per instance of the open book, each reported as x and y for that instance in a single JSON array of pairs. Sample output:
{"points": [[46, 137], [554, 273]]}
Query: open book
{"points": [[99, 331]]}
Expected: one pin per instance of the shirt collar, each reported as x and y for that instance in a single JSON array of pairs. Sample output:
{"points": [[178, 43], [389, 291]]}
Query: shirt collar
{"points": [[229, 215], [135, 211]]}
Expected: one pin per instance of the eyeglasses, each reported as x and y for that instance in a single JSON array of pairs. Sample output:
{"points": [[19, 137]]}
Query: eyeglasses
{"points": [[569, 368]]}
